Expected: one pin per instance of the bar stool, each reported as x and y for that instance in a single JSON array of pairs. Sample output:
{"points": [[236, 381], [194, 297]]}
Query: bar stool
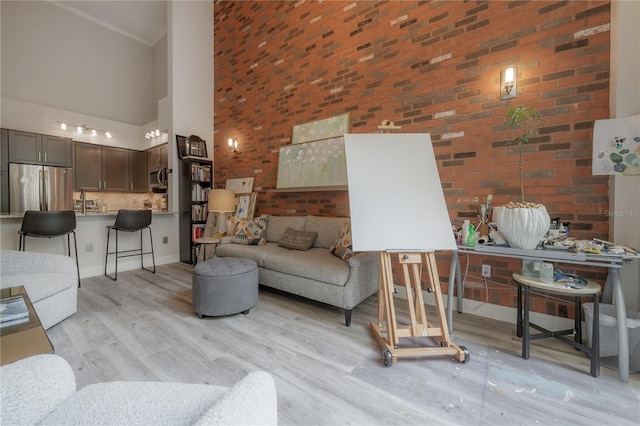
{"points": [[560, 288], [130, 221], [49, 224]]}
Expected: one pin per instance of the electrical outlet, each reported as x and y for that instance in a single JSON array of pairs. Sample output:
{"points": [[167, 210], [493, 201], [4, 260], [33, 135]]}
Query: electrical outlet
{"points": [[165, 240], [486, 271], [88, 248]]}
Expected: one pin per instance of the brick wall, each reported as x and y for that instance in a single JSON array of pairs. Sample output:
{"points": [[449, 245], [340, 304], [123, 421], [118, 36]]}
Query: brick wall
{"points": [[429, 67]]}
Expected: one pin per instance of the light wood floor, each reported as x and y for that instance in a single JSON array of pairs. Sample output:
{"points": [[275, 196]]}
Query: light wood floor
{"points": [[143, 328]]}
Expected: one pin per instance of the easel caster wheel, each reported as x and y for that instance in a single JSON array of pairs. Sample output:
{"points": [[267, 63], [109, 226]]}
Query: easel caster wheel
{"points": [[387, 358], [467, 355]]}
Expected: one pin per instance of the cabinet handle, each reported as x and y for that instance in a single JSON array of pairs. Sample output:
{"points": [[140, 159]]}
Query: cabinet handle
{"points": [[45, 157], [99, 184], [39, 159], [131, 186]]}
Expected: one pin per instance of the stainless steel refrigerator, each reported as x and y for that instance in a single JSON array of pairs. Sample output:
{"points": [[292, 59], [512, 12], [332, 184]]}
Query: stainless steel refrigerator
{"points": [[34, 187]]}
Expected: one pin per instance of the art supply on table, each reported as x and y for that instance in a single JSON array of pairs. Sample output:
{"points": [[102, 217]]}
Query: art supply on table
{"points": [[471, 238], [465, 231], [546, 272]]}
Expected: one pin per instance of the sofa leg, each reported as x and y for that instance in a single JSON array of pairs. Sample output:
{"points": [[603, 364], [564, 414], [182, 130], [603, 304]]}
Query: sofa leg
{"points": [[347, 317]]}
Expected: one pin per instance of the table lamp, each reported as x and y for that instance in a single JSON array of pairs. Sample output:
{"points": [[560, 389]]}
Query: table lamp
{"points": [[221, 201]]}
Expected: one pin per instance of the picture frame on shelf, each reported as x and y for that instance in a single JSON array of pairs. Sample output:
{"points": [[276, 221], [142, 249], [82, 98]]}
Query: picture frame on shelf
{"points": [[196, 146], [246, 205], [181, 141]]}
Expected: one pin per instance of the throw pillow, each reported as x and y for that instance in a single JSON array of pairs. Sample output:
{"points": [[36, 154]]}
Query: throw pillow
{"points": [[343, 247], [251, 231], [297, 240]]}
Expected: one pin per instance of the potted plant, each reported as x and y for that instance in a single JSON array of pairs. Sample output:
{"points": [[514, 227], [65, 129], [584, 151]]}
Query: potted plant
{"points": [[522, 223]]}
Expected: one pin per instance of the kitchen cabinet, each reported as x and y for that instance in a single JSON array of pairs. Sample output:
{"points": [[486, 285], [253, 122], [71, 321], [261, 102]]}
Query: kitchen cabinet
{"points": [[115, 169], [101, 168], [138, 171], [33, 148], [158, 156], [87, 168], [194, 186]]}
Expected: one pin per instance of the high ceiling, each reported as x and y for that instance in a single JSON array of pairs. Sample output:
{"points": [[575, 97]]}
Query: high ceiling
{"points": [[143, 21]]}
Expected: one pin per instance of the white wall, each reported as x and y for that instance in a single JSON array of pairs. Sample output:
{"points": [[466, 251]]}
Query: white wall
{"points": [[54, 58], [624, 100], [160, 82], [190, 76]]}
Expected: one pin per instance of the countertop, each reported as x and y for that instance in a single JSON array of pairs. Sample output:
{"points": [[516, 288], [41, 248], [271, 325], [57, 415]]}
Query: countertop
{"points": [[88, 214]]}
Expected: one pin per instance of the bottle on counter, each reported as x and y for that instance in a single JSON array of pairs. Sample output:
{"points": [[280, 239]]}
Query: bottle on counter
{"points": [[465, 231]]}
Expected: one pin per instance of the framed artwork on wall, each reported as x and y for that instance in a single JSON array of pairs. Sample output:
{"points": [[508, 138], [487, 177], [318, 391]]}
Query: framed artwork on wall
{"points": [[321, 129], [312, 166]]}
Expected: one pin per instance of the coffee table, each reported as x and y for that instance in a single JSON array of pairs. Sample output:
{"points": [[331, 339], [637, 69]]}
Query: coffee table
{"points": [[25, 339]]}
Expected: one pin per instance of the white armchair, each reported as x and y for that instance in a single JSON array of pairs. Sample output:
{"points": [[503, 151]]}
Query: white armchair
{"points": [[42, 389]]}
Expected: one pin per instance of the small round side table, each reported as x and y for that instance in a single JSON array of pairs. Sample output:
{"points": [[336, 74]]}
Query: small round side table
{"points": [[558, 287], [199, 242]]}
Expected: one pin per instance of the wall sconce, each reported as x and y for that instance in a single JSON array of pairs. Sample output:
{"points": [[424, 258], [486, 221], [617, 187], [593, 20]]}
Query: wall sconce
{"points": [[508, 87], [232, 144], [84, 129]]}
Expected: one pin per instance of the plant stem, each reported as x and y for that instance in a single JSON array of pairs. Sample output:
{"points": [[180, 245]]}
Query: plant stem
{"points": [[521, 180]]}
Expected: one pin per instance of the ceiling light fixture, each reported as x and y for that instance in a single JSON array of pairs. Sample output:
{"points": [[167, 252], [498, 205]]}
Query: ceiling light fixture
{"points": [[82, 129], [152, 134]]}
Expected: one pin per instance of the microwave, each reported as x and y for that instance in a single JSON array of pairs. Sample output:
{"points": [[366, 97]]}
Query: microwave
{"points": [[158, 178]]}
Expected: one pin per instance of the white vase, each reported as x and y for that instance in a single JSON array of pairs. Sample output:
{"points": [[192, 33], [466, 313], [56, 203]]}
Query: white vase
{"points": [[523, 227]]}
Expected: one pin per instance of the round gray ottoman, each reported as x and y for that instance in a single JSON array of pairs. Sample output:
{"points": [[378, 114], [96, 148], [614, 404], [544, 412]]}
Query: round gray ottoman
{"points": [[225, 286]]}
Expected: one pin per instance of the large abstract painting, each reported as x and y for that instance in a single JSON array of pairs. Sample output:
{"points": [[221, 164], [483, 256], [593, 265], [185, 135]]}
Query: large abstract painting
{"points": [[313, 166], [321, 129]]}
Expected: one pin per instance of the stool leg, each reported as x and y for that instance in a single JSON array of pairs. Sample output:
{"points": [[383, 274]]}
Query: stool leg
{"points": [[595, 345], [75, 244], [525, 326], [153, 257], [106, 253], [578, 326], [519, 310], [116, 274]]}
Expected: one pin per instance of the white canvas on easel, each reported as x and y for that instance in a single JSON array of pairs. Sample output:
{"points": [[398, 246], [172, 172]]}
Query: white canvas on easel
{"points": [[395, 195], [398, 209]]}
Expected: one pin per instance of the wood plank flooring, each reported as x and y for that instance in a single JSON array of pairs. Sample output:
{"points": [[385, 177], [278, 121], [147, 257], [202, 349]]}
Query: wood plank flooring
{"points": [[142, 327]]}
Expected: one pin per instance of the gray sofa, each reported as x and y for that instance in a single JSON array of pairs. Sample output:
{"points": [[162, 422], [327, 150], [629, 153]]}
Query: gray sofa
{"points": [[315, 274], [50, 280], [42, 390]]}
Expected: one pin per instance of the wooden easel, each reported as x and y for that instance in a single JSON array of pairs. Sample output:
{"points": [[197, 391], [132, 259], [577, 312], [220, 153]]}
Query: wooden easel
{"points": [[388, 332]]}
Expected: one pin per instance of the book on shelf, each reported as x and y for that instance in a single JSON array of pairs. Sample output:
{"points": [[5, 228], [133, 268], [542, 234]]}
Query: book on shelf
{"points": [[201, 173], [197, 231], [13, 309], [199, 213]]}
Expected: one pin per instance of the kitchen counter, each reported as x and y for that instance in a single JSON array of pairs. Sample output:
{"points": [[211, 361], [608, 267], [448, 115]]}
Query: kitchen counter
{"points": [[91, 234], [91, 213]]}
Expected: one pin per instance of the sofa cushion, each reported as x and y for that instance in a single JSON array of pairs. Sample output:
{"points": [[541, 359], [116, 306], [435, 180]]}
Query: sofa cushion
{"points": [[326, 227], [342, 247], [251, 231], [297, 240], [316, 264], [257, 253], [278, 224]]}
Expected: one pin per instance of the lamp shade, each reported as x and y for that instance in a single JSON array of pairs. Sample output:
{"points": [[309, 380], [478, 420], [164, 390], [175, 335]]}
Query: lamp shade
{"points": [[222, 200]]}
